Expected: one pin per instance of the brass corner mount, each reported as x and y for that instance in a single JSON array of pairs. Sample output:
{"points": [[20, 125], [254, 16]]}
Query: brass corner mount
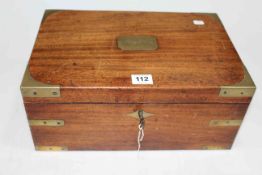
{"points": [[33, 88], [245, 88], [49, 12]]}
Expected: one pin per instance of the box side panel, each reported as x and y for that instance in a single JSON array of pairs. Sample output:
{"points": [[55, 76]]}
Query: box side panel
{"points": [[114, 127]]}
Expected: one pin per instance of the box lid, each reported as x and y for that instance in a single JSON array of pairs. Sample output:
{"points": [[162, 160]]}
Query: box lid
{"points": [[91, 56]]}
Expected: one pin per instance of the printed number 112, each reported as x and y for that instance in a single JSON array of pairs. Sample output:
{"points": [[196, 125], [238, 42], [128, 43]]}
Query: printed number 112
{"points": [[142, 79]]}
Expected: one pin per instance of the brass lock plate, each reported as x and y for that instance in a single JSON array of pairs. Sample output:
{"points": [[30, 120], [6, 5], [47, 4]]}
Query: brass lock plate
{"points": [[136, 115]]}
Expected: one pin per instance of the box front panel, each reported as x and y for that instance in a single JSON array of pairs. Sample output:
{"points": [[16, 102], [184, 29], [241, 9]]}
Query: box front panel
{"points": [[115, 126]]}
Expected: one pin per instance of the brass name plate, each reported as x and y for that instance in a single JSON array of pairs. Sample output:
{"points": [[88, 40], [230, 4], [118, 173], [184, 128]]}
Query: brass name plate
{"points": [[138, 43]]}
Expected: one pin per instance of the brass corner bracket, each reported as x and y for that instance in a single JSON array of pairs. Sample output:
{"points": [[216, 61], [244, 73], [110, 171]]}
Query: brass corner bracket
{"points": [[245, 88], [46, 122], [51, 148], [49, 12], [32, 88], [224, 123], [211, 147]]}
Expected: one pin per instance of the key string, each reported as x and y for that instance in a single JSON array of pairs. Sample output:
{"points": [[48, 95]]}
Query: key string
{"points": [[140, 136], [141, 126]]}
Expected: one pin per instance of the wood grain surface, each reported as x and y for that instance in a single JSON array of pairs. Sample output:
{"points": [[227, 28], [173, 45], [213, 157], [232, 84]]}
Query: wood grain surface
{"points": [[108, 126], [78, 50], [146, 95]]}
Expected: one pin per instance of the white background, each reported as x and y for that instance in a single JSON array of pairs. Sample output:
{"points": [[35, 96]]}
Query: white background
{"points": [[19, 22]]}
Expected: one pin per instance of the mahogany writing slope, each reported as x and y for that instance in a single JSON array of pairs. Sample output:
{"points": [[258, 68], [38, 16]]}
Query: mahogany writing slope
{"points": [[126, 80]]}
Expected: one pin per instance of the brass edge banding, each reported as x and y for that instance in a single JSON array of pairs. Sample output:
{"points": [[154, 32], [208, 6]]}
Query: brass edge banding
{"points": [[46, 122], [245, 88], [51, 148], [32, 88]]}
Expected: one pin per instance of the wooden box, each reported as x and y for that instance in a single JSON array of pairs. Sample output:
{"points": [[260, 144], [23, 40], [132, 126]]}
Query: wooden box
{"points": [[96, 80]]}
